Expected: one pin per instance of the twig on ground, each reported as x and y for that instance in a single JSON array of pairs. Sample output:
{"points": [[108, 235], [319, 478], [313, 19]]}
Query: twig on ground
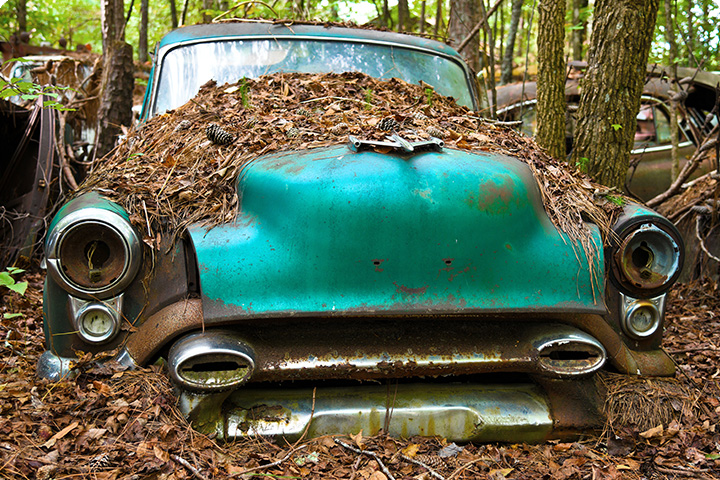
{"points": [[426, 467], [369, 454], [702, 241], [187, 465]]}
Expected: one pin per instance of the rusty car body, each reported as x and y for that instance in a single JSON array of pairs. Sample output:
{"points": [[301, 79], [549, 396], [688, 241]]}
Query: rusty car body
{"points": [[417, 291], [651, 160]]}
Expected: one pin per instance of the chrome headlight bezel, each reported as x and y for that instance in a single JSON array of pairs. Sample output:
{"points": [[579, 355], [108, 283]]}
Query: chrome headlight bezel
{"points": [[115, 229], [647, 258]]}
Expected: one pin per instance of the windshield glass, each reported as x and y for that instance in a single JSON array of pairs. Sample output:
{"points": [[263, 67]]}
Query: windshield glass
{"points": [[186, 68]]}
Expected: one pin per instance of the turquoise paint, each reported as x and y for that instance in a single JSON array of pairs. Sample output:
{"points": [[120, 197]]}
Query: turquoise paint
{"points": [[333, 231]]}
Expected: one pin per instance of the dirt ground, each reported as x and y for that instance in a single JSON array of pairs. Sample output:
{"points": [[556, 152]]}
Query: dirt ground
{"points": [[110, 425]]}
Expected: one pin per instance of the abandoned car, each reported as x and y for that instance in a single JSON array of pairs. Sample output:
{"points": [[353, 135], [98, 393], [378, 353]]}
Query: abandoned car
{"points": [[370, 284], [651, 163]]}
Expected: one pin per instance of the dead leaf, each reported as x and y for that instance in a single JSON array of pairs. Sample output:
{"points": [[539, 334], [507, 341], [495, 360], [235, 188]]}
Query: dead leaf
{"points": [[653, 432], [50, 443]]}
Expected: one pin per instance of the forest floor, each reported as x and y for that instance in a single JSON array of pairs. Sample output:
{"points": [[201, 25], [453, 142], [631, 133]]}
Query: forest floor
{"points": [[110, 425]]}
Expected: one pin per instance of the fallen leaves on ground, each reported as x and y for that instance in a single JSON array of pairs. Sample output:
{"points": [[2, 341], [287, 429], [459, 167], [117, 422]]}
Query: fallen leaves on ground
{"points": [[109, 423]]}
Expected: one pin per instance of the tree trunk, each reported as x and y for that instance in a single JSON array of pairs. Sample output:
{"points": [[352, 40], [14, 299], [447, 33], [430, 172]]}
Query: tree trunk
{"points": [[142, 34], [438, 17], [507, 62], [117, 79], [551, 108], [464, 15], [672, 62], [21, 12], [387, 19], [577, 32], [690, 33], [206, 5], [611, 89], [422, 16], [173, 14], [403, 15]]}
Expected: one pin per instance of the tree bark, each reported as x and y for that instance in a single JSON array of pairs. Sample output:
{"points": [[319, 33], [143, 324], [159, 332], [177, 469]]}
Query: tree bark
{"points": [[403, 15], [422, 16], [21, 12], [387, 19], [611, 89], [507, 63], [438, 17], [551, 108], [464, 15], [173, 14], [117, 79], [142, 34], [672, 62], [576, 37]]}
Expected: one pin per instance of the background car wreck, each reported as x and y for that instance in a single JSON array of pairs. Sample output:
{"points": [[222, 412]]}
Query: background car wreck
{"points": [[447, 276], [650, 166]]}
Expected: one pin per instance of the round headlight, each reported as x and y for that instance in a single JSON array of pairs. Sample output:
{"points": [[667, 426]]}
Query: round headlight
{"points": [[648, 260], [641, 320], [97, 323], [93, 253]]}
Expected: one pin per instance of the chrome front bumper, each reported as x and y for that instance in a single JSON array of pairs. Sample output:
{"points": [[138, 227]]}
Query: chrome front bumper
{"points": [[459, 412]]}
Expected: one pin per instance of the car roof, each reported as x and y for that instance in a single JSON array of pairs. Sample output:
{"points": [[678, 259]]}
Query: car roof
{"points": [[331, 32]]}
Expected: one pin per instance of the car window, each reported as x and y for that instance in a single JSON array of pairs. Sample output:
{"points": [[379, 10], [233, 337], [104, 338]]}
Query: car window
{"points": [[186, 68]]}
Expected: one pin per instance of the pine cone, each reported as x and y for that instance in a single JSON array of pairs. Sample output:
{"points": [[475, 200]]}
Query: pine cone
{"points": [[388, 124], [435, 132], [217, 135], [293, 132], [420, 116], [184, 125], [432, 461], [339, 128]]}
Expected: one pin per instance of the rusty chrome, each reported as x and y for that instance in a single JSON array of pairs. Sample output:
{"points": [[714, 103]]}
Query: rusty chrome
{"points": [[571, 354], [641, 318], [154, 331], [210, 361], [395, 142], [648, 258], [84, 311], [516, 412], [93, 253], [54, 367]]}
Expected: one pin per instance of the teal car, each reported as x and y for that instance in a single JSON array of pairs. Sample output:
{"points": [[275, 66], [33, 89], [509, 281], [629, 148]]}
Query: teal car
{"points": [[367, 285]]}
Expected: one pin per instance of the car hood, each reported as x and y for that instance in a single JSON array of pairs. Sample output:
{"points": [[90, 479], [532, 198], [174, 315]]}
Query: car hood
{"points": [[332, 231]]}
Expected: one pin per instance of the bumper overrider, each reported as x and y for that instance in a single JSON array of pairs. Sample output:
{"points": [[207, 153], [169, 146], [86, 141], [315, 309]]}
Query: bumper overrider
{"points": [[465, 374]]}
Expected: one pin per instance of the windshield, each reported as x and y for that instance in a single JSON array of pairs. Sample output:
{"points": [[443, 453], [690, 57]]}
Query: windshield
{"points": [[186, 68]]}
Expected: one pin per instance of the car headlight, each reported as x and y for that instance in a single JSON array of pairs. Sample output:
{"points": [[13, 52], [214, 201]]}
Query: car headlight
{"points": [[648, 260], [93, 253]]}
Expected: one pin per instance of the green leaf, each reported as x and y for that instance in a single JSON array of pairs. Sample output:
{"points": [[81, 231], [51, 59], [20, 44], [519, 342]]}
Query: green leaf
{"points": [[712, 456], [616, 126], [14, 270], [12, 315], [19, 287], [6, 279]]}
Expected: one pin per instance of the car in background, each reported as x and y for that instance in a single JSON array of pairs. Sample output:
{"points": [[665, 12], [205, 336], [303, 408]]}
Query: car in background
{"points": [[651, 162], [361, 285]]}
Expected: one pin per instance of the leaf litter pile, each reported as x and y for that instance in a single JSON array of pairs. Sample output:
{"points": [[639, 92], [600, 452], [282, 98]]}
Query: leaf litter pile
{"points": [[180, 168], [109, 423]]}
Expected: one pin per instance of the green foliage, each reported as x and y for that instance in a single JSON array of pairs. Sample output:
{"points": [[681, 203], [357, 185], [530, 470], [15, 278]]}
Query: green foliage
{"points": [[7, 281], [617, 200], [616, 126], [429, 93], [582, 164], [368, 98], [30, 91], [242, 84]]}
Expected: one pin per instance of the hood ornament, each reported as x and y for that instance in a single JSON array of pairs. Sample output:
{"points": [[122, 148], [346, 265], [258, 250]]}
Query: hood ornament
{"points": [[397, 143]]}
